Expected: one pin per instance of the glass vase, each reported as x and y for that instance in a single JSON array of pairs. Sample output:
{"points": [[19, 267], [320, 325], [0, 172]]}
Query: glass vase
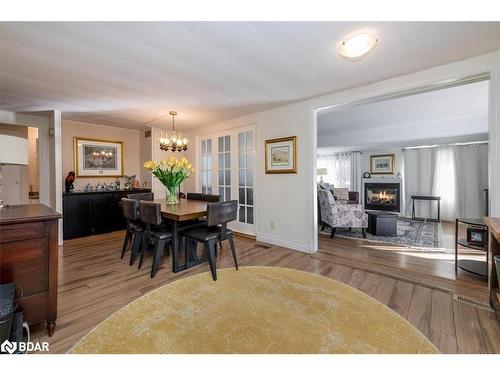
{"points": [[172, 195]]}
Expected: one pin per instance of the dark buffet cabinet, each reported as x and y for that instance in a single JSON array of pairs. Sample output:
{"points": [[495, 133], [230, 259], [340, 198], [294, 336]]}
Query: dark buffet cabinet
{"points": [[28, 258], [88, 213]]}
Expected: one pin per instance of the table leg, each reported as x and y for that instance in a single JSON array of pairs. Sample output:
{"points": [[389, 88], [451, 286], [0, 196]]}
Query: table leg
{"points": [[413, 210], [456, 245], [439, 211], [175, 248]]}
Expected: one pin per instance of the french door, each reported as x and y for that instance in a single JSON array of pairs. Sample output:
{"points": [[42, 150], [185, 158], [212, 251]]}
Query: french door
{"points": [[226, 167]]}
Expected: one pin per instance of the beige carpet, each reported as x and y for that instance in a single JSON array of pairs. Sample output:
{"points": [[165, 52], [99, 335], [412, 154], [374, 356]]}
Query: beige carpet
{"points": [[255, 310]]}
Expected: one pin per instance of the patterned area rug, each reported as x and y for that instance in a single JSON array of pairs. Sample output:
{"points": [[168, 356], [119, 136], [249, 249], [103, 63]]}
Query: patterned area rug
{"points": [[255, 310], [419, 235]]}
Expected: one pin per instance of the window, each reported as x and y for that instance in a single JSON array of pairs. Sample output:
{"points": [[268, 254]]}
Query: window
{"points": [[206, 166], [245, 177], [224, 167]]}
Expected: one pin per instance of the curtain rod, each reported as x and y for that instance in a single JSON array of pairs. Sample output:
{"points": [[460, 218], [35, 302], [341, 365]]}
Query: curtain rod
{"points": [[446, 144]]}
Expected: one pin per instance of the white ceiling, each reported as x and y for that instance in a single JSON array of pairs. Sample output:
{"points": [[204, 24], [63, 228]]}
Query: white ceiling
{"points": [[452, 113], [127, 73]]}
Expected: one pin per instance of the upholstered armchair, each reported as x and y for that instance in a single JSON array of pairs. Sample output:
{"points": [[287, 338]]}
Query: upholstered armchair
{"points": [[341, 215]]}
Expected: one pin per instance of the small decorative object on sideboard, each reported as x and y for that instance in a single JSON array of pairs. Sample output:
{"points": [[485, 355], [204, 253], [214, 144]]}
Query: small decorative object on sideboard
{"points": [[129, 182], [366, 175], [477, 236], [281, 155], [68, 182]]}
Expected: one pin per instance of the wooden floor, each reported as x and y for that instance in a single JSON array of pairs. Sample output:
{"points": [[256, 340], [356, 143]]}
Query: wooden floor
{"points": [[94, 282], [436, 268]]}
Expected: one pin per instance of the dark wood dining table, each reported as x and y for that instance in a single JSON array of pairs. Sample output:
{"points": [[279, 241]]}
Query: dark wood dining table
{"points": [[185, 210]]}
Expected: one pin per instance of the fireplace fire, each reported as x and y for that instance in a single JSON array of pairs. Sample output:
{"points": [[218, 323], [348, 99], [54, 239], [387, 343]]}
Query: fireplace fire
{"points": [[382, 196]]}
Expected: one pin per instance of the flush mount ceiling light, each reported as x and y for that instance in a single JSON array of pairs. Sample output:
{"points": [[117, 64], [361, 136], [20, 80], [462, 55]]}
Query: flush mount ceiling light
{"points": [[357, 46]]}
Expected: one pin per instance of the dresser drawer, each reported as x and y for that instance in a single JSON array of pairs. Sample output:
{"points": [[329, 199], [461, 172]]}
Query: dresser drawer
{"points": [[26, 263], [16, 232]]}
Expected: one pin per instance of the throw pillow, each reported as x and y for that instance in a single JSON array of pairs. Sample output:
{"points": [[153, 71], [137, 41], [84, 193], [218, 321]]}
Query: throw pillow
{"points": [[341, 194]]}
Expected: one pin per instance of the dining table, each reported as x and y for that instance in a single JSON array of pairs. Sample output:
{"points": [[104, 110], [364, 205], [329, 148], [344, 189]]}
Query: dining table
{"points": [[184, 211]]}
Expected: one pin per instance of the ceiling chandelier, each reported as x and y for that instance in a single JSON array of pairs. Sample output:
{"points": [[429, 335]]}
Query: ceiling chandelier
{"points": [[173, 140]]}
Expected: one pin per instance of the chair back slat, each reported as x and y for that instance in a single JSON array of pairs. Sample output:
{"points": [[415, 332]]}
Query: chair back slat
{"points": [[142, 196], [221, 212], [150, 212], [203, 197], [130, 209]]}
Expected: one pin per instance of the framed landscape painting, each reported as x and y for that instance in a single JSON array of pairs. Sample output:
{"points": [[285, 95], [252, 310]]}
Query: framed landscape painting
{"points": [[98, 158], [382, 164], [281, 155]]}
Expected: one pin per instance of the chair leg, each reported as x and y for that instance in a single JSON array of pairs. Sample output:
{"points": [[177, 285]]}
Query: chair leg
{"points": [[160, 245], [233, 251], [211, 258], [136, 246], [144, 246], [322, 227], [363, 232], [333, 232], [128, 236]]}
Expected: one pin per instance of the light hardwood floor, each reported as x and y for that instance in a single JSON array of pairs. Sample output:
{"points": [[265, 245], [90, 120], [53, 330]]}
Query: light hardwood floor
{"points": [[94, 282]]}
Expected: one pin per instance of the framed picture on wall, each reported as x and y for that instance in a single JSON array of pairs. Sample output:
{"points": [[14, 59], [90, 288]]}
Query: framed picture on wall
{"points": [[98, 158], [281, 155], [382, 164]]}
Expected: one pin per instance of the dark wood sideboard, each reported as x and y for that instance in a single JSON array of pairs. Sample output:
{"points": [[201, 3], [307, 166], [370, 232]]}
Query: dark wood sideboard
{"points": [[88, 213], [28, 258]]}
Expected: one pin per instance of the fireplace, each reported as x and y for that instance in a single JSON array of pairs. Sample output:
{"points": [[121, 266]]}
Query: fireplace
{"points": [[382, 196]]}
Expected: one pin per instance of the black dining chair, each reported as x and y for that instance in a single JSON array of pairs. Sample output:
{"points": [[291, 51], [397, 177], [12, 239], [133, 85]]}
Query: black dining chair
{"points": [[203, 197], [134, 230], [198, 222], [215, 230], [142, 196], [160, 236]]}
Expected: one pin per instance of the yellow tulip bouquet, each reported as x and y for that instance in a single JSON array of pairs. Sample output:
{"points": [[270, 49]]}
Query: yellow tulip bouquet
{"points": [[170, 172]]}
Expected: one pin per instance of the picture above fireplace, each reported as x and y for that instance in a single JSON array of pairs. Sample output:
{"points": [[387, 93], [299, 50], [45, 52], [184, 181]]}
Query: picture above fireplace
{"points": [[382, 196]]}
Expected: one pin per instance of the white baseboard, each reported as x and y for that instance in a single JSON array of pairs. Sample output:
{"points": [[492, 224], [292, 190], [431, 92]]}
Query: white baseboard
{"points": [[289, 244]]}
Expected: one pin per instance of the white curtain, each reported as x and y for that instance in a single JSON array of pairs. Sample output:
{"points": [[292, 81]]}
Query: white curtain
{"points": [[343, 170], [458, 174]]}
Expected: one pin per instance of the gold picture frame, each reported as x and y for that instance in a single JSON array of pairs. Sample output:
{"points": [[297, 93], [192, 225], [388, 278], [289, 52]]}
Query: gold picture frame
{"points": [[382, 164], [281, 155], [107, 161]]}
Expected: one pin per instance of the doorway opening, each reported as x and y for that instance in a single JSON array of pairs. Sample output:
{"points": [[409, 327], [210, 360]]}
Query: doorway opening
{"points": [[396, 172]]}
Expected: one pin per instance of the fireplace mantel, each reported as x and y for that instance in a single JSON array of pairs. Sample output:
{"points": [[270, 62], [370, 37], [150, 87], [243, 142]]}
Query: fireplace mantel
{"points": [[381, 180]]}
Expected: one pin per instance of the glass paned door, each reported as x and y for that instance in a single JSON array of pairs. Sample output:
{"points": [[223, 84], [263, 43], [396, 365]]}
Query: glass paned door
{"points": [[206, 166], [229, 157], [224, 166], [245, 178]]}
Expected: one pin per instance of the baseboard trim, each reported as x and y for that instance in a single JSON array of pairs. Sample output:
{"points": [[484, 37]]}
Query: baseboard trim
{"points": [[289, 244]]}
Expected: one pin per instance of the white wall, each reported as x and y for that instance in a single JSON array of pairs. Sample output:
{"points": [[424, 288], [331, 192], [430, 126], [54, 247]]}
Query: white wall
{"points": [[280, 198], [131, 149], [289, 200], [364, 159]]}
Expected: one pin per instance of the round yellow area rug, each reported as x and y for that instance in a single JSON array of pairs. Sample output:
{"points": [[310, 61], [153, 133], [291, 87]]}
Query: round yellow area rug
{"points": [[255, 310]]}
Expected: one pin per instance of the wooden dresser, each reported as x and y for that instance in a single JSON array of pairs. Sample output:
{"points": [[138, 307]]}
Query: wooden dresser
{"points": [[493, 282], [28, 258]]}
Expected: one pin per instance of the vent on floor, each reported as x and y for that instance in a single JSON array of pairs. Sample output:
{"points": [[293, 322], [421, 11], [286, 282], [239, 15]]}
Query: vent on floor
{"points": [[470, 301], [263, 246]]}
